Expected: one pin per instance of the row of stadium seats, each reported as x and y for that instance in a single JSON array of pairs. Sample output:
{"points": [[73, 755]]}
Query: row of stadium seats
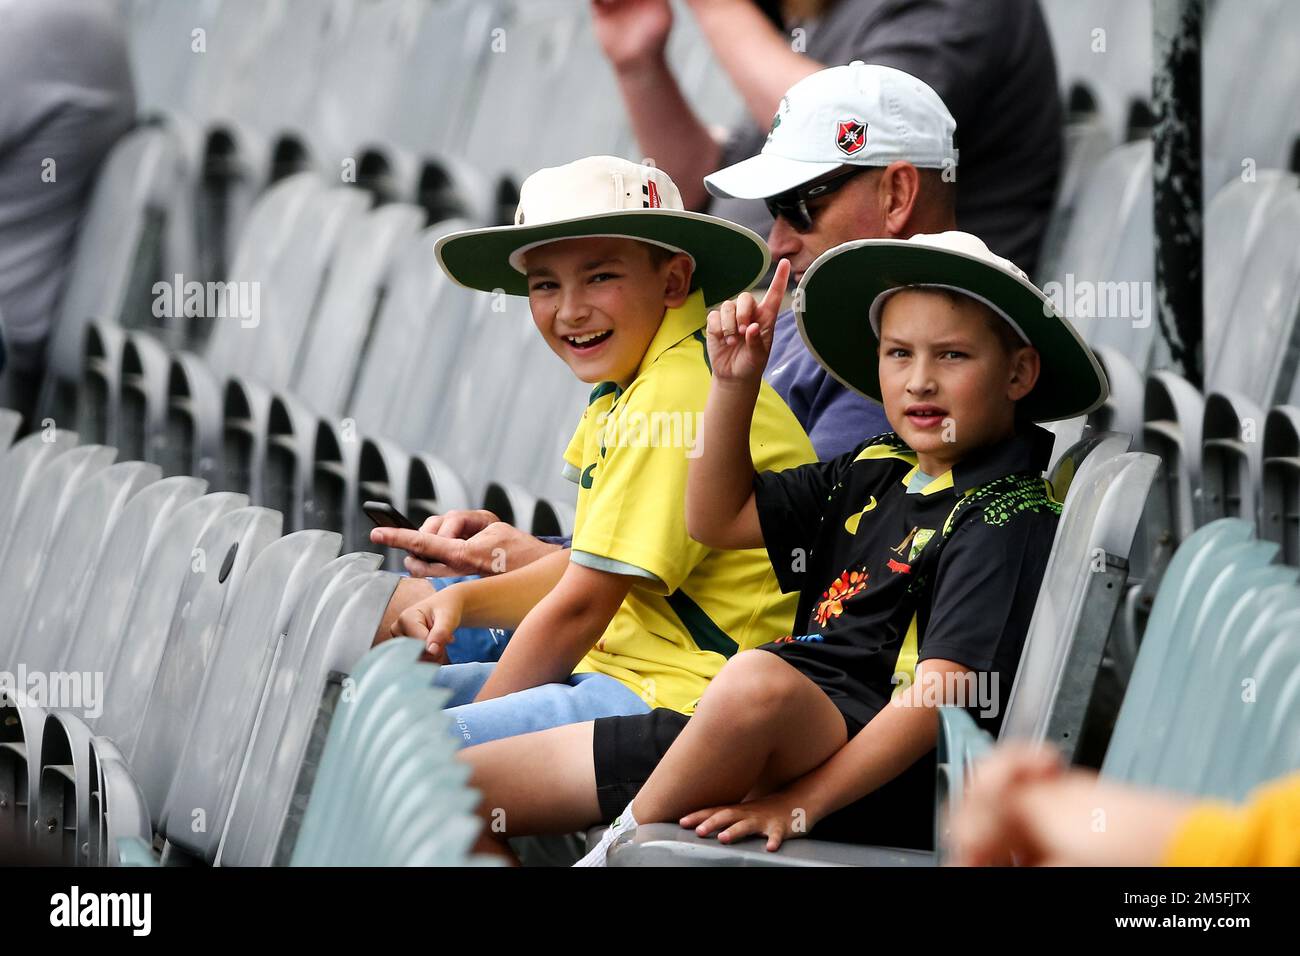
{"points": [[446, 104], [175, 665], [1105, 66], [224, 649]]}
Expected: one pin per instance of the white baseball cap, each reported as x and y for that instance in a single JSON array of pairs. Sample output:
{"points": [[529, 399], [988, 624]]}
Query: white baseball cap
{"points": [[860, 115]]}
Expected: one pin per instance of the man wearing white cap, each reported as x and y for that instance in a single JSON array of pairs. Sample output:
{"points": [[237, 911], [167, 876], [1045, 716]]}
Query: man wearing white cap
{"points": [[855, 152]]}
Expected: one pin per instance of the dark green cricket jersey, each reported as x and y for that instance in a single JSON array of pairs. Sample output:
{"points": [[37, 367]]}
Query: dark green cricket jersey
{"points": [[888, 578]]}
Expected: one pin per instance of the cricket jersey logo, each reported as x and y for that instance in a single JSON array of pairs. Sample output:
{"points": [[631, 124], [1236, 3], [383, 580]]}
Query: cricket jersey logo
{"points": [[911, 545], [850, 136]]}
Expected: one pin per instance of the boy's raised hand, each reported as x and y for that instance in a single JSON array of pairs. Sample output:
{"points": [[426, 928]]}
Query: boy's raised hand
{"points": [[740, 330]]}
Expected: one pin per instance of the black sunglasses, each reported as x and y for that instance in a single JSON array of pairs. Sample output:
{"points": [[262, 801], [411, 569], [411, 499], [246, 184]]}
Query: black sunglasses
{"points": [[792, 206]]}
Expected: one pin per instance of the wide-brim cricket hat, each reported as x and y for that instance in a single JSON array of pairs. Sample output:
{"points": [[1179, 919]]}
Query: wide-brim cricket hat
{"points": [[605, 196], [858, 115], [842, 296]]}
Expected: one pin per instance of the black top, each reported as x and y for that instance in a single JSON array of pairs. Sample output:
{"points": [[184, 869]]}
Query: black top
{"points": [[991, 62], [889, 578]]}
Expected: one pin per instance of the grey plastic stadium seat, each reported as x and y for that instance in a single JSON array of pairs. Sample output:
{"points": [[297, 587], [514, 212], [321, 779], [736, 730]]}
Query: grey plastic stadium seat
{"points": [[1122, 411], [345, 601], [1182, 592], [1233, 223], [99, 394], [1095, 446], [21, 466], [206, 606], [33, 533], [1068, 433], [122, 573], [325, 378], [1262, 365], [167, 596], [390, 791], [1231, 457], [1109, 256], [67, 753], [1230, 643], [290, 304], [1117, 75], [118, 812], [1174, 413], [1240, 122], [227, 708], [171, 404], [1229, 42], [1279, 519], [45, 623], [1087, 141], [1076, 608], [119, 254], [10, 422], [151, 603], [1240, 608]]}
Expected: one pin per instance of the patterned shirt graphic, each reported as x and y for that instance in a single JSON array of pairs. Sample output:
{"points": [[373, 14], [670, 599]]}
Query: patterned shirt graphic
{"points": [[887, 579]]}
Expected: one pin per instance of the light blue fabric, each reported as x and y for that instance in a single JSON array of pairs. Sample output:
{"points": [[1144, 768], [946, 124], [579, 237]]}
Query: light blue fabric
{"points": [[583, 697], [918, 482], [473, 644]]}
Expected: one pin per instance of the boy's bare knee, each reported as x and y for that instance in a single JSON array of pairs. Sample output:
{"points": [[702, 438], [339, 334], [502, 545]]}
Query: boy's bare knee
{"points": [[409, 591], [752, 689]]}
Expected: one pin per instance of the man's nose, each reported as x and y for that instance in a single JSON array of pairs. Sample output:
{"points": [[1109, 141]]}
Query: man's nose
{"points": [[783, 240]]}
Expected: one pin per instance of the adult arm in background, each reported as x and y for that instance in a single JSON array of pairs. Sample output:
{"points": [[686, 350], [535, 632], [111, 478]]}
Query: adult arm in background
{"points": [[464, 542], [757, 57]]}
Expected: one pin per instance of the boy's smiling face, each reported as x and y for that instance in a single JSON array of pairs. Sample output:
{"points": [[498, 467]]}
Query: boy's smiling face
{"points": [[950, 375], [598, 301]]}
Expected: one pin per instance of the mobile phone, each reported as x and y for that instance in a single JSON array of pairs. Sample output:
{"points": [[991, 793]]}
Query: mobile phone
{"points": [[386, 516]]}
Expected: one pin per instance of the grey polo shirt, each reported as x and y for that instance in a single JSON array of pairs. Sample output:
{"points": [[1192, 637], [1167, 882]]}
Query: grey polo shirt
{"points": [[991, 61], [66, 78]]}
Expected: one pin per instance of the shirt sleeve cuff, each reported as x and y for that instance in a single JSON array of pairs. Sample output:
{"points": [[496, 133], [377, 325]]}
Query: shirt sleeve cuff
{"points": [[601, 563]]}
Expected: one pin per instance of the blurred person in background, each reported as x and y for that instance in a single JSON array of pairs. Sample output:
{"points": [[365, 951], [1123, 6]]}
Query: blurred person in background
{"points": [[68, 97], [1025, 806], [989, 60]]}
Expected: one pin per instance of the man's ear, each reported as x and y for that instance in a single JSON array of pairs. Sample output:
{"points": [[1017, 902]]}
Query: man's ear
{"points": [[900, 185], [1026, 365], [677, 280]]}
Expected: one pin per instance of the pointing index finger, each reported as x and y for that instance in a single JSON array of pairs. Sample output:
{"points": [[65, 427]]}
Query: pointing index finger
{"points": [[776, 291]]}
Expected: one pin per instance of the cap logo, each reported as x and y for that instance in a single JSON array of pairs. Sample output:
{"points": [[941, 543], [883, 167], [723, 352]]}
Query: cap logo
{"points": [[776, 120], [650, 196], [850, 136]]}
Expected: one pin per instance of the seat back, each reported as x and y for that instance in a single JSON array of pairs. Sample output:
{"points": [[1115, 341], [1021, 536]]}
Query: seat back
{"points": [[228, 704]]}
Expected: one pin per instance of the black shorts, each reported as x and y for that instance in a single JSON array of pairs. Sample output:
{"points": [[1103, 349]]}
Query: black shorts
{"points": [[901, 813]]}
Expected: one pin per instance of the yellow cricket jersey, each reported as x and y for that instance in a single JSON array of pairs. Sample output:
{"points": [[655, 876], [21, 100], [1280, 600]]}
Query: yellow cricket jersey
{"points": [[1263, 832], [696, 606]]}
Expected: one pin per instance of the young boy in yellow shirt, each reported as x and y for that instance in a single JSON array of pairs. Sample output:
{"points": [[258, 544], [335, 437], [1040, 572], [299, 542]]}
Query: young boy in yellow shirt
{"points": [[636, 615]]}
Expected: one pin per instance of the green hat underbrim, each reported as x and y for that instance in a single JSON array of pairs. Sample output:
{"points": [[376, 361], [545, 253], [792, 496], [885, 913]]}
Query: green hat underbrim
{"points": [[728, 258], [839, 287]]}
